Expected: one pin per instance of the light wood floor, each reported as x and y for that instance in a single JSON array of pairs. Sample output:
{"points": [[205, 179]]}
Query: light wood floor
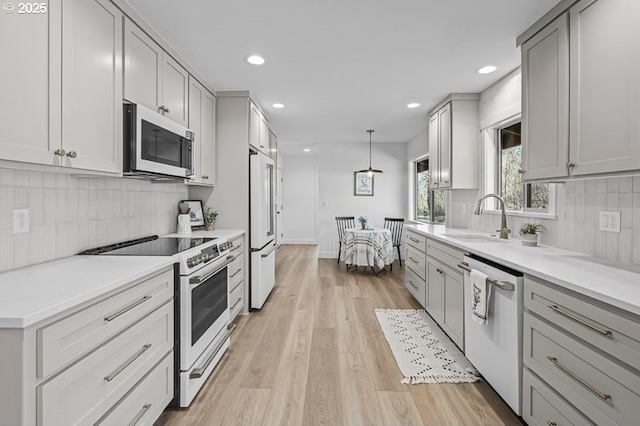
{"points": [[315, 354]]}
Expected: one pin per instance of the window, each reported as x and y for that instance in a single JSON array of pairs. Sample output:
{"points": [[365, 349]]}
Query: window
{"points": [[517, 196], [430, 204]]}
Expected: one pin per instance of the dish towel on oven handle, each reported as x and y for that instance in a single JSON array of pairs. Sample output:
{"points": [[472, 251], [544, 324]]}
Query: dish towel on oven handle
{"points": [[480, 294]]}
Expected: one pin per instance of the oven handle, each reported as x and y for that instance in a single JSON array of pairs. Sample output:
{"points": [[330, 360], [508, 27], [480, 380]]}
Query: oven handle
{"points": [[197, 280], [269, 252], [196, 373]]}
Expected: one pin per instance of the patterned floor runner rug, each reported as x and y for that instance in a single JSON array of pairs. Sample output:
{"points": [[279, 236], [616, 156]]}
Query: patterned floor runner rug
{"points": [[423, 352]]}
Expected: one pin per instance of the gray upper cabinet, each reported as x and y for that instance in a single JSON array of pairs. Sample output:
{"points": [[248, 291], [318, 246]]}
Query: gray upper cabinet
{"points": [[202, 114], [581, 91], [545, 102], [62, 102], [260, 136], [152, 78], [92, 85], [605, 86], [453, 142]]}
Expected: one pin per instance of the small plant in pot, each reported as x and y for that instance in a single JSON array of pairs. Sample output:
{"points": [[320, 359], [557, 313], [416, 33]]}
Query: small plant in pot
{"points": [[529, 233], [363, 221], [210, 217]]}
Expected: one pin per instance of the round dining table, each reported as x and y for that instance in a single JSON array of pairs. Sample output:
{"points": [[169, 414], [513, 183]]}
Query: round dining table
{"points": [[367, 247]]}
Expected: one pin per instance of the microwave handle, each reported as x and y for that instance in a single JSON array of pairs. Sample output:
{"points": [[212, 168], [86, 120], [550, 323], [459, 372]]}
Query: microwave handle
{"points": [[189, 138]]}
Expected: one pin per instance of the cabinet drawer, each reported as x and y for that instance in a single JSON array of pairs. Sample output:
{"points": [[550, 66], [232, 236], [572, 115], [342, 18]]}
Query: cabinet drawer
{"points": [[416, 286], [448, 255], [541, 406], [148, 399], [66, 340], [614, 332], [87, 390], [415, 240], [600, 388], [235, 295], [416, 261], [235, 272]]}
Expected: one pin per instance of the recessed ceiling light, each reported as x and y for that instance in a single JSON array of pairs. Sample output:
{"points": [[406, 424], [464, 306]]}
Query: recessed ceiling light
{"points": [[255, 60], [306, 150], [278, 105], [413, 105], [487, 69]]}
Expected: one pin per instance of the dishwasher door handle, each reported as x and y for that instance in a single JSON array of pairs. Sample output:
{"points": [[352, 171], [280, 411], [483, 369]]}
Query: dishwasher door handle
{"points": [[503, 285]]}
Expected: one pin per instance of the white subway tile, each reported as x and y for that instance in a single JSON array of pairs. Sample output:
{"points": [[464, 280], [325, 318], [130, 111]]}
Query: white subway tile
{"points": [[49, 180], [72, 205], [93, 204], [35, 179], [20, 198], [21, 178], [613, 201], [570, 208], [6, 249], [626, 206], [579, 209], [601, 186], [72, 239], [83, 205], [613, 246], [62, 181], [6, 177], [636, 211], [93, 230], [73, 182], [626, 184], [83, 236], [589, 208], [36, 206], [636, 246], [102, 204], [589, 240], [6, 207], [601, 244], [579, 187], [61, 205], [636, 184], [21, 249], [590, 186], [50, 203], [62, 240], [625, 249]]}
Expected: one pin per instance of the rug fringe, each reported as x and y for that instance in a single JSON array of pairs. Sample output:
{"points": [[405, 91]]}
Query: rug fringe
{"points": [[414, 380]]}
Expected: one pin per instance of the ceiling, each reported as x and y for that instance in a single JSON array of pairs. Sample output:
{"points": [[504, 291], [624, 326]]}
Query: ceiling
{"points": [[344, 66]]}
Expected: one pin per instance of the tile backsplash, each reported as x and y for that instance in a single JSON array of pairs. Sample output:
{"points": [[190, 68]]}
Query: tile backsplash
{"points": [[69, 214], [575, 228]]}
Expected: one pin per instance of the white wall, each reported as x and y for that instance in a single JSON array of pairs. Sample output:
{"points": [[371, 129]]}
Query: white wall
{"points": [[578, 203], [69, 214], [336, 167], [299, 199]]}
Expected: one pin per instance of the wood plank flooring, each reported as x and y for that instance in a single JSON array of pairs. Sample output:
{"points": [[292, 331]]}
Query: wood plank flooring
{"points": [[315, 354]]}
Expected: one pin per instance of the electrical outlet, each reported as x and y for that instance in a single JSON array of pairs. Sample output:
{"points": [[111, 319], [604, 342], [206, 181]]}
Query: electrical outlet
{"points": [[20, 221], [610, 221]]}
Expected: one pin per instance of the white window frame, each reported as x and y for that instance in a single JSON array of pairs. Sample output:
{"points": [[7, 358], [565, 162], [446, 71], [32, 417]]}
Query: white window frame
{"points": [[489, 162], [414, 178]]}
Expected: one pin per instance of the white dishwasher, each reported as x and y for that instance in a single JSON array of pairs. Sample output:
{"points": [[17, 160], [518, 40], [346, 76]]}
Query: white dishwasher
{"points": [[495, 348]]}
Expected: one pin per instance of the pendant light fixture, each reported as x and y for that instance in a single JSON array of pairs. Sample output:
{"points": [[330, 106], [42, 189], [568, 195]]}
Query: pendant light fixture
{"points": [[370, 171]]}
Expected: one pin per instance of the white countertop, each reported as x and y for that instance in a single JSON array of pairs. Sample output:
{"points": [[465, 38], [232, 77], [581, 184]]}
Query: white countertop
{"points": [[593, 277], [34, 293]]}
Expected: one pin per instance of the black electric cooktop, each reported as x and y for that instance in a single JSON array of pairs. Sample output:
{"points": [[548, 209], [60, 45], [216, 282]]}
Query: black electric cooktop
{"points": [[149, 246]]}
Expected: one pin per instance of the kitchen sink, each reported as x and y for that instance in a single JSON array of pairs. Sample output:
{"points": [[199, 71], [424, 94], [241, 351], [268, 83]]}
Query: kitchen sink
{"points": [[475, 238]]}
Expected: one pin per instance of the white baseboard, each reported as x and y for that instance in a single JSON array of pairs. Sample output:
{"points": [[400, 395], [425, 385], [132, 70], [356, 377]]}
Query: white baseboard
{"points": [[306, 242]]}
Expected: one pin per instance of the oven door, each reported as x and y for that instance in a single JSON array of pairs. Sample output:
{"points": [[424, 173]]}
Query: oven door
{"points": [[204, 313]]}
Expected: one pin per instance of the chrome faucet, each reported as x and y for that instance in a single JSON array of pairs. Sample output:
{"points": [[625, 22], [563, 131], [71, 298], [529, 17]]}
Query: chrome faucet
{"points": [[504, 231]]}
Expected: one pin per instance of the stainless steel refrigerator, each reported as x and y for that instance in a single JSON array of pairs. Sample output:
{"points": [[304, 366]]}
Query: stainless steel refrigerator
{"points": [[262, 177]]}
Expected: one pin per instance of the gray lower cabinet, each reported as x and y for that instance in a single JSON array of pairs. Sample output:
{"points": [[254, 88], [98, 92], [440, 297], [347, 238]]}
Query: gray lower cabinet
{"points": [[580, 359], [109, 361]]}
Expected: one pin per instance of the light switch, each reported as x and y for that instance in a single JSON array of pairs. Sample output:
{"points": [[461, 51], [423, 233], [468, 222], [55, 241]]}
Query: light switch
{"points": [[610, 221]]}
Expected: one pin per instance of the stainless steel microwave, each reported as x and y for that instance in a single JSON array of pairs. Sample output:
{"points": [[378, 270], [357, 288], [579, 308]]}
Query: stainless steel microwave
{"points": [[155, 147]]}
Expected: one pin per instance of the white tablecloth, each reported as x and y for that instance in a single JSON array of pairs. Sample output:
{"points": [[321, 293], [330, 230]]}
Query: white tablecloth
{"points": [[367, 247]]}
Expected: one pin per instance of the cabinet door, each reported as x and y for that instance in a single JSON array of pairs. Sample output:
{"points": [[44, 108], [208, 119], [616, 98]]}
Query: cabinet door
{"points": [[273, 146], [434, 290], [444, 162], [92, 85], [196, 94], [605, 86], [453, 303], [434, 174], [208, 130], [142, 67], [24, 87], [175, 81], [254, 127], [545, 102], [264, 136]]}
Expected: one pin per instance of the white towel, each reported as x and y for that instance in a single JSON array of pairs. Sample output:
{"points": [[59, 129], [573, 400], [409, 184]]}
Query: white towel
{"points": [[481, 293]]}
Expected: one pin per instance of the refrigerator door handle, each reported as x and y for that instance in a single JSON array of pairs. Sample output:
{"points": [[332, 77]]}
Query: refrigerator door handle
{"points": [[267, 254]]}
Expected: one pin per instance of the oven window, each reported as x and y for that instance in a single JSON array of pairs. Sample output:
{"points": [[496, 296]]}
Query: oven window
{"points": [[162, 146], [208, 302]]}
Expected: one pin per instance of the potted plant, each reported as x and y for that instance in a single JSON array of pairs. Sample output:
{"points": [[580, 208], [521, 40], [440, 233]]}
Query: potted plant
{"points": [[363, 221], [529, 233], [210, 217]]}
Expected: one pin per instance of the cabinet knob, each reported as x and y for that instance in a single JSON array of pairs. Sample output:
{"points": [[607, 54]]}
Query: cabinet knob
{"points": [[72, 154], [164, 109], [205, 177], [440, 271], [570, 164], [520, 171], [61, 152]]}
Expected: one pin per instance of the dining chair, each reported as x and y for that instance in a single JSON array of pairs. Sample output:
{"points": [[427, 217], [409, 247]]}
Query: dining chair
{"points": [[343, 222], [395, 224]]}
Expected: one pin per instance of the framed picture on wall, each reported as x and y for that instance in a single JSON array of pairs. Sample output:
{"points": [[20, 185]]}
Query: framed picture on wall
{"points": [[362, 184], [195, 212]]}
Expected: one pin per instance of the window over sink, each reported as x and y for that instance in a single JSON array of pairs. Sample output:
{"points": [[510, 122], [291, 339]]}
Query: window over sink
{"points": [[430, 205]]}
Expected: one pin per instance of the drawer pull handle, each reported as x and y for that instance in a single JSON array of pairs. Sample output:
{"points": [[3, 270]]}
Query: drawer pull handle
{"points": [[571, 374], [580, 321], [196, 373], [140, 415], [127, 308], [236, 304], [413, 285], [128, 362], [438, 270], [415, 240], [413, 260], [550, 423], [236, 273]]}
